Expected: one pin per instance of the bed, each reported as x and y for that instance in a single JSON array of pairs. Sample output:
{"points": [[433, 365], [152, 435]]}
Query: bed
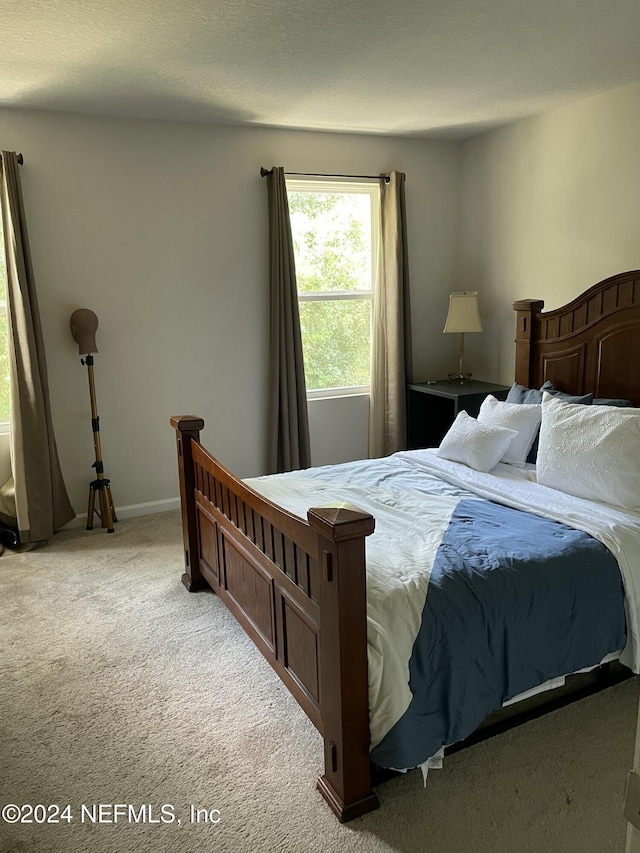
{"points": [[293, 572]]}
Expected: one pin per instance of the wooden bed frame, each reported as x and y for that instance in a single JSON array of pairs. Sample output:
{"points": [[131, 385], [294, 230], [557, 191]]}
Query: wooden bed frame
{"points": [[591, 344], [298, 587]]}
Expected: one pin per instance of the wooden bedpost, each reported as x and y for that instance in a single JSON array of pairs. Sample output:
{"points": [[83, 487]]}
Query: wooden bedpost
{"points": [[525, 308], [344, 685], [188, 427]]}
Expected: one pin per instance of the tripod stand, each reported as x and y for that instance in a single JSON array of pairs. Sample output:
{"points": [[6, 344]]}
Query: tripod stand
{"points": [[101, 484]]}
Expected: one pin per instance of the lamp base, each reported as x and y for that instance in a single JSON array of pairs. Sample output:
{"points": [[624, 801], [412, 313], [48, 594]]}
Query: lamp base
{"points": [[460, 378]]}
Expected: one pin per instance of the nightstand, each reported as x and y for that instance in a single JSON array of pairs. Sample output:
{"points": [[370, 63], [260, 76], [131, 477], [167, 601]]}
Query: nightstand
{"points": [[432, 407]]}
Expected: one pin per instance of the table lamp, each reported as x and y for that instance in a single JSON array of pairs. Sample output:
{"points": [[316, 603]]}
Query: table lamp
{"points": [[463, 316]]}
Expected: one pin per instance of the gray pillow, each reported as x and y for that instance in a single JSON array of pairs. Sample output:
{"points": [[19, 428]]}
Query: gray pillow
{"points": [[583, 399], [612, 401], [519, 394]]}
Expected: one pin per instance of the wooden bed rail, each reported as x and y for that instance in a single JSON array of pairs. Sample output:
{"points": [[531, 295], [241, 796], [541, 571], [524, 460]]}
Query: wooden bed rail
{"points": [[298, 588]]}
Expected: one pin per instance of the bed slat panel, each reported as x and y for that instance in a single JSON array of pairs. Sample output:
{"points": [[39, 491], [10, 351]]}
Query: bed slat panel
{"points": [[259, 531], [300, 647], [276, 613], [290, 560], [278, 551], [282, 550], [297, 529], [209, 544], [252, 590]]}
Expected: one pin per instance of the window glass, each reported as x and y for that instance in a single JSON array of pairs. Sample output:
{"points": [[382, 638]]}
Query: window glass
{"points": [[332, 240], [335, 229], [336, 340]]}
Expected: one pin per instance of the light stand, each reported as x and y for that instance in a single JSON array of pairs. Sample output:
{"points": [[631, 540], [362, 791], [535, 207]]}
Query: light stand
{"points": [[101, 484], [83, 328]]}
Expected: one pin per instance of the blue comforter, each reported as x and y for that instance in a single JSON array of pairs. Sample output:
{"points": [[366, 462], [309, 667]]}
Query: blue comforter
{"points": [[513, 600]]}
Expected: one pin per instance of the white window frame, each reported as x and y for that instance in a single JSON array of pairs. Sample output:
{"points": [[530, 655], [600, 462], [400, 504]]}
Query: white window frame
{"points": [[351, 186]]}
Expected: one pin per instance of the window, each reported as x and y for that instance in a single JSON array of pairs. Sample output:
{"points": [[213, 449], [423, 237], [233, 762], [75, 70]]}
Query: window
{"points": [[335, 226], [5, 398]]}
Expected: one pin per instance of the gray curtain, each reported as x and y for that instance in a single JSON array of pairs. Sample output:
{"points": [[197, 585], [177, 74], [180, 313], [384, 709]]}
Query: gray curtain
{"points": [[391, 366], [289, 428], [41, 500]]}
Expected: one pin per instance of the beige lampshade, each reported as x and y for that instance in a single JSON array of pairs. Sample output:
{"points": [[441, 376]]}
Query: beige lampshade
{"points": [[464, 315], [83, 324]]}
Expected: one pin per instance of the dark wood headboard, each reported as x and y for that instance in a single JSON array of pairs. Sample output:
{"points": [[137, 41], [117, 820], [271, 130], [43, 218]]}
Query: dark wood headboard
{"points": [[591, 344]]}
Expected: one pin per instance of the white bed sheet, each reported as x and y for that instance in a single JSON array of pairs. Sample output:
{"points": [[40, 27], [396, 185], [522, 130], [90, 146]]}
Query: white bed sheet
{"points": [[409, 527]]}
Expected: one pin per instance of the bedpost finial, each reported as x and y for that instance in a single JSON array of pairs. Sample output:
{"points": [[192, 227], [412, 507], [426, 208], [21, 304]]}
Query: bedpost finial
{"points": [[187, 423], [340, 522], [533, 305]]}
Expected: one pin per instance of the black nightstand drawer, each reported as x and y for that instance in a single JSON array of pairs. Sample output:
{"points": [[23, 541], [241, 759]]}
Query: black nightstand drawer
{"points": [[432, 407]]}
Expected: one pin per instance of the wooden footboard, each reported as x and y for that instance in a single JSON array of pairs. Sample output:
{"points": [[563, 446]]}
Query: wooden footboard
{"points": [[298, 589]]}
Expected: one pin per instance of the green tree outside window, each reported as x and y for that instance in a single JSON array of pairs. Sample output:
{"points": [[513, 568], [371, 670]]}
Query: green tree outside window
{"points": [[332, 235]]}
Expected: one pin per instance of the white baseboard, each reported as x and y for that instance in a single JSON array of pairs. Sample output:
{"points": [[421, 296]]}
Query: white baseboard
{"points": [[148, 508], [131, 511]]}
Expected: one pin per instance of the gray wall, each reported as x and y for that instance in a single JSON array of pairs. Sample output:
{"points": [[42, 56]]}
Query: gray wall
{"points": [[550, 206], [161, 229]]}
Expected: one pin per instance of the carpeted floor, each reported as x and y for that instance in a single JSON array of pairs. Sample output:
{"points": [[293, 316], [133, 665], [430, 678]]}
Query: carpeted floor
{"points": [[119, 687]]}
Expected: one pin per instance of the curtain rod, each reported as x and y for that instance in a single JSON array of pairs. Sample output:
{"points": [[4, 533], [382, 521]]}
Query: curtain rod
{"points": [[20, 158], [264, 172]]}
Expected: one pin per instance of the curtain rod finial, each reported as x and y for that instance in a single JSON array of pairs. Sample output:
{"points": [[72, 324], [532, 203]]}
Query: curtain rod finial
{"points": [[264, 172], [19, 158]]}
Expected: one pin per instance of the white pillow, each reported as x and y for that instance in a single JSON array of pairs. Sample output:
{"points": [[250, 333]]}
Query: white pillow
{"points": [[590, 451], [524, 418], [475, 444]]}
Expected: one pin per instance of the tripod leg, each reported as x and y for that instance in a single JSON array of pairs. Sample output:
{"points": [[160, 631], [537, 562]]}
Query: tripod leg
{"points": [[105, 510], [92, 505], [114, 517]]}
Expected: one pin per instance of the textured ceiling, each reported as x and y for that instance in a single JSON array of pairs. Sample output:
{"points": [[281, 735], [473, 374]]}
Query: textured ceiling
{"points": [[435, 67]]}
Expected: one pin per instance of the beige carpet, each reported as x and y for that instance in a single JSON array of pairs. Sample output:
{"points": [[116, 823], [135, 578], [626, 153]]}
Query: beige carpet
{"points": [[117, 686]]}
